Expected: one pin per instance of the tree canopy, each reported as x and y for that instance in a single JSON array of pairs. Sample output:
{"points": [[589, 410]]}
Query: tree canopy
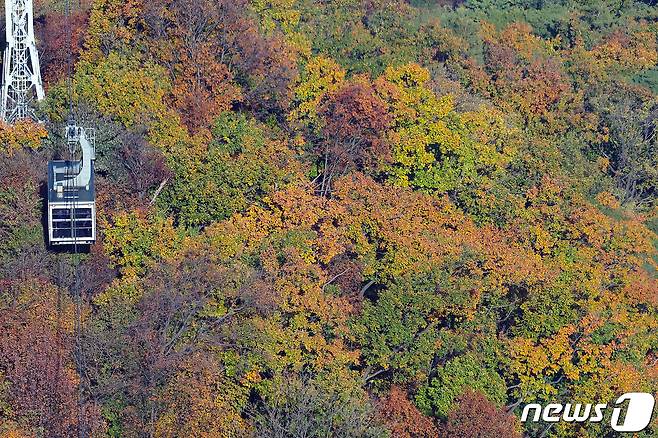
{"points": [[349, 218]]}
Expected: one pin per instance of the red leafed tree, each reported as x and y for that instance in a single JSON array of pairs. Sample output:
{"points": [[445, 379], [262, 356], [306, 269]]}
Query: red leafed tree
{"points": [[403, 418], [266, 67], [184, 37], [35, 359], [476, 417], [202, 87], [353, 135], [56, 43]]}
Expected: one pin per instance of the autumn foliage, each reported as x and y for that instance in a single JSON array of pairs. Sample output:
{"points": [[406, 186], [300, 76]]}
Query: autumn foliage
{"points": [[336, 219], [475, 416]]}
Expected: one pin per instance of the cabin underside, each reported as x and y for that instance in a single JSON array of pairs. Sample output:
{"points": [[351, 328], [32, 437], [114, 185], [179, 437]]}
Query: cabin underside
{"points": [[71, 223]]}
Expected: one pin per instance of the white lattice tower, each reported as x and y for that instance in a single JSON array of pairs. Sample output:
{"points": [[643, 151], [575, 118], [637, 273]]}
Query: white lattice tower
{"points": [[21, 80]]}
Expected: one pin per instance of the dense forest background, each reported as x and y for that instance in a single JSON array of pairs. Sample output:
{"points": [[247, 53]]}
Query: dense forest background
{"points": [[350, 218]]}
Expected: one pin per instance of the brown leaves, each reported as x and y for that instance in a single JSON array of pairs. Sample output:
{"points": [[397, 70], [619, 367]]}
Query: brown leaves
{"points": [[183, 35], [477, 417], [355, 123], [135, 172], [266, 67], [56, 46], [403, 418], [217, 58], [36, 357], [20, 178], [202, 87], [528, 77]]}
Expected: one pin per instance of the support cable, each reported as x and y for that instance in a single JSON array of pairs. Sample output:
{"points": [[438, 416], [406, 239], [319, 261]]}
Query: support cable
{"points": [[71, 140]]}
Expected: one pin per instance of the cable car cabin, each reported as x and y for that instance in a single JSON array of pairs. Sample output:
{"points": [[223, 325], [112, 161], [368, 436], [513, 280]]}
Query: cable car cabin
{"points": [[71, 194]]}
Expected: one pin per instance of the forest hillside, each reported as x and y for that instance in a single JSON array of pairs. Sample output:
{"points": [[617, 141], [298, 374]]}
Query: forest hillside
{"points": [[349, 218]]}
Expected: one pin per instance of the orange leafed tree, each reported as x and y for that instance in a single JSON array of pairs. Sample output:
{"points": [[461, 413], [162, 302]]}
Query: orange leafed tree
{"points": [[403, 418], [476, 417]]}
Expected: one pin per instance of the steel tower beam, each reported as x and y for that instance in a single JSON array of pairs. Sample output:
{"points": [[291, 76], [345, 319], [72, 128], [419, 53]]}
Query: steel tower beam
{"points": [[21, 79]]}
